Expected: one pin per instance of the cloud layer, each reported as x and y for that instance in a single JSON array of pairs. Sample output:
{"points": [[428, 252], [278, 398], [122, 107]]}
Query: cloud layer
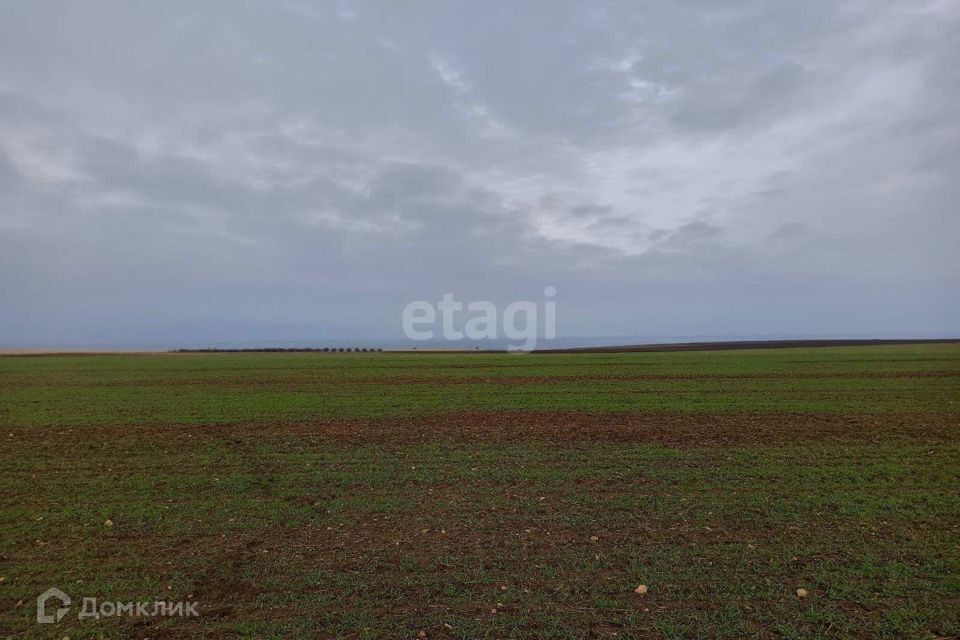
{"points": [[174, 173]]}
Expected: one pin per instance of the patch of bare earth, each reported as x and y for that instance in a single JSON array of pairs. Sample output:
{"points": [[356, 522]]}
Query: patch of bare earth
{"points": [[674, 429]]}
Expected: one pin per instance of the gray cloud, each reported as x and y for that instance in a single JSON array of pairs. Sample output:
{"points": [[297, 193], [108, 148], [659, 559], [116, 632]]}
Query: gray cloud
{"points": [[173, 173]]}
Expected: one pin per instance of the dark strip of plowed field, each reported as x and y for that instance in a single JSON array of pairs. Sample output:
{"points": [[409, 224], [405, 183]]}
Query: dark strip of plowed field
{"points": [[745, 344], [675, 429]]}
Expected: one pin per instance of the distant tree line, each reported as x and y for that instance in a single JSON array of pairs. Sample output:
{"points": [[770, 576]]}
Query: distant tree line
{"points": [[280, 350]]}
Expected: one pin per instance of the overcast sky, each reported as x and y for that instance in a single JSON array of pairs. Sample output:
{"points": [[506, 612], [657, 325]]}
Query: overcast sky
{"points": [[182, 173]]}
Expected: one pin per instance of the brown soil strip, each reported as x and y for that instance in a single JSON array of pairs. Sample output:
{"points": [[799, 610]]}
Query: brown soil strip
{"points": [[442, 379], [571, 427], [745, 344], [562, 379]]}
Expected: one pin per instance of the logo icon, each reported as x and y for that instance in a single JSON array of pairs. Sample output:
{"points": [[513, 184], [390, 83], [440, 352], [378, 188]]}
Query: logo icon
{"points": [[42, 616]]}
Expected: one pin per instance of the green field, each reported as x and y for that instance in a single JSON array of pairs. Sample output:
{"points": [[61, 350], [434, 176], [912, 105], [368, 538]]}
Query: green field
{"points": [[486, 495]]}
